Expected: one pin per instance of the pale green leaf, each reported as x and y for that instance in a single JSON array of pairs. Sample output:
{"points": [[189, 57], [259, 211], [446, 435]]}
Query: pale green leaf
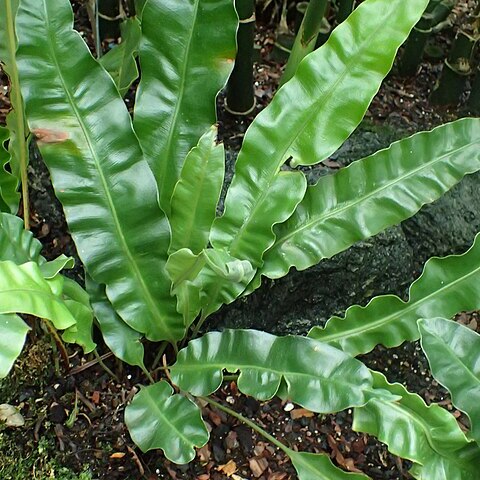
{"points": [[372, 194], [206, 281], [196, 194], [53, 268], [464, 467], [24, 290], [409, 427], [9, 197], [123, 341], [311, 466], [16, 243], [120, 61], [80, 333], [13, 331]]}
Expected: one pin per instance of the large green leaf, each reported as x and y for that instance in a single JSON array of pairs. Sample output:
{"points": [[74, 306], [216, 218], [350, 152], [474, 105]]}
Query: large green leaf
{"points": [[373, 194], [409, 427], [453, 352], [316, 376], [206, 281], [447, 286], [158, 419], [463, 467], [16, 243], [13, 331], [107, 190], [196, 194], [24, 290], [184, 65], [9, 197], [308, 119], [311, 466], [120, 61], [122, 340]]}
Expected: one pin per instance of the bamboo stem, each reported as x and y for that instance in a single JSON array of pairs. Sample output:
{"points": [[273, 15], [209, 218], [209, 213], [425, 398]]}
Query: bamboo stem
{"points": [[345, 8], [17, 103], [436, 12], [455, 71], [306, 37], [240, 93], [474, 99]]}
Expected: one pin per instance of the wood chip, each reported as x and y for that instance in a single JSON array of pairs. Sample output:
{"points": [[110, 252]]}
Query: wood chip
{"points": [[258, 466], [228, 469]]}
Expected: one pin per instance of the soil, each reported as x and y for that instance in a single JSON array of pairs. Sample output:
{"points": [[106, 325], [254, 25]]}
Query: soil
{"points": [[74, 419]]}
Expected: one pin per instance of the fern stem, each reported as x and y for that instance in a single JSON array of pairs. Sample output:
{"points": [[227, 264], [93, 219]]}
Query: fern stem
{"points": [[249, 423], [60, 345], [17, 102]]}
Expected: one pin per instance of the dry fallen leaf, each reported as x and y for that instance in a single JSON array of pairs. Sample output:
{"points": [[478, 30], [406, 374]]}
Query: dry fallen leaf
{"points": [[11, 416], [300, 413]]}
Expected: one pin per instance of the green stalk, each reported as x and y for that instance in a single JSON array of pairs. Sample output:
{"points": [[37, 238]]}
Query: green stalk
{"points": [[17, 103], [249, 423], [306, 37]]}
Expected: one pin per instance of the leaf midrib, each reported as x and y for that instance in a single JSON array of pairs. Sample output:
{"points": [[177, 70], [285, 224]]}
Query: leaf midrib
{"points": [[388, 319], [415, 418], [241, 367], [168, 157], [131, 261], [156, 408], [353, 203]]}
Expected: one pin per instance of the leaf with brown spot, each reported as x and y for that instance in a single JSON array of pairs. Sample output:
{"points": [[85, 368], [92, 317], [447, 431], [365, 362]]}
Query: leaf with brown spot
{"points": [[46, 135]]}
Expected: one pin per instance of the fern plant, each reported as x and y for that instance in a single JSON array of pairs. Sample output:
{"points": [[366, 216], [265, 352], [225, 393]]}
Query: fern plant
{"points": [[140, 199]]}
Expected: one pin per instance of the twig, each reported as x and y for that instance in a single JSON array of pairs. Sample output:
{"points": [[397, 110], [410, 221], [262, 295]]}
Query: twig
{"points": [[89, 364]]}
